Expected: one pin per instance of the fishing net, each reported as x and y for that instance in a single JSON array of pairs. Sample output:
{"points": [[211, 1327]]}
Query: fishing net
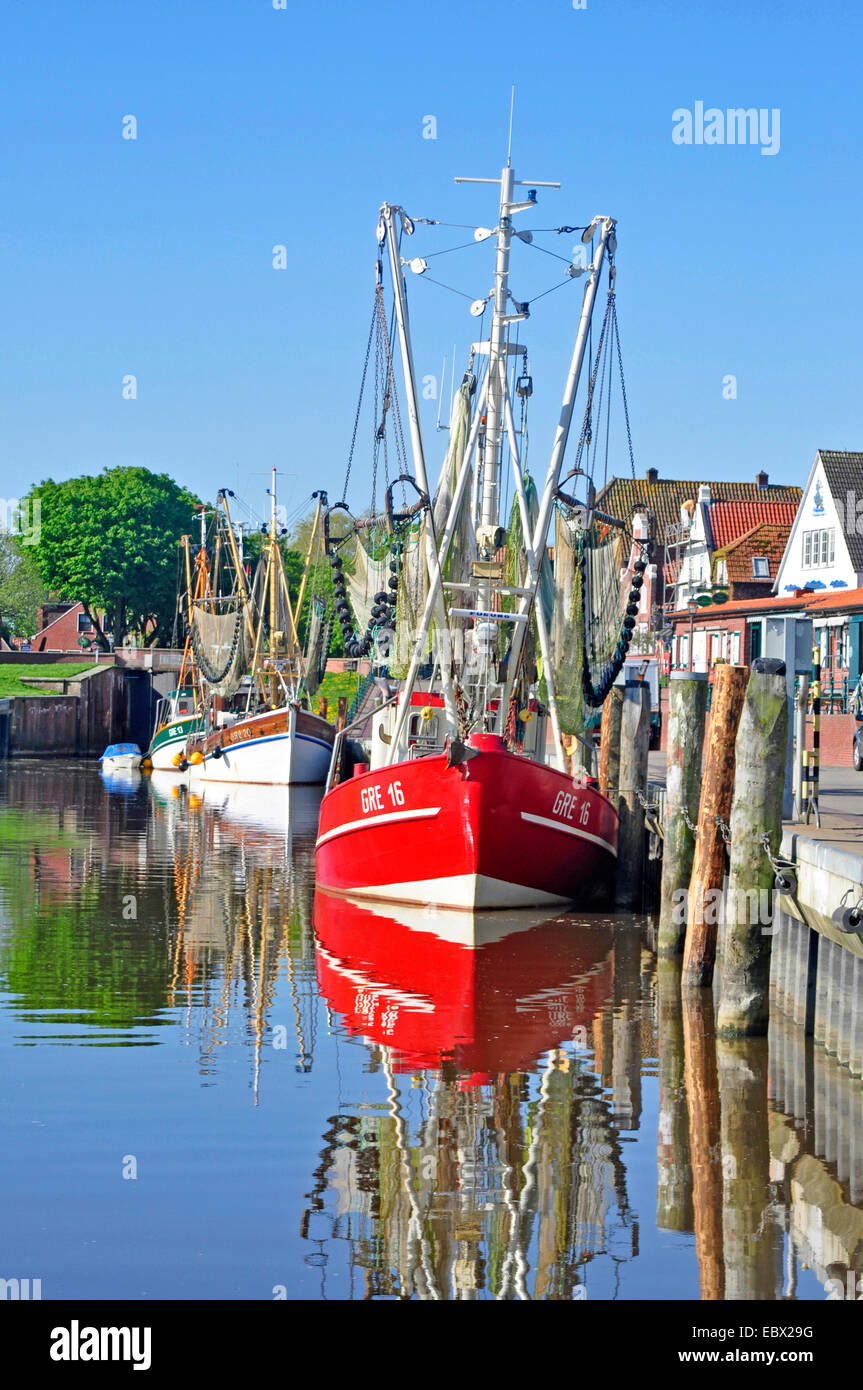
{"points": [[220, 645], [567, 627], [602, 561], [318, 645]]}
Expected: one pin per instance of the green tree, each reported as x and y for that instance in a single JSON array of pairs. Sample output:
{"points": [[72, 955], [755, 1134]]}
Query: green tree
{"points": [[320, 581], [110, 542], [21, 589]]}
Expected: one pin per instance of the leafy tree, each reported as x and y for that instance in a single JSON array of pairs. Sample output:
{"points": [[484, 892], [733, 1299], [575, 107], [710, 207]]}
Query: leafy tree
{"points": [[320, 581], [21, 589], [110, 542]]}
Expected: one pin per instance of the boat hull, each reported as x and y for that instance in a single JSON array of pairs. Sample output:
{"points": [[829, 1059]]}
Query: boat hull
{"points": [[170, 740], [284, 747], [497, 831]]}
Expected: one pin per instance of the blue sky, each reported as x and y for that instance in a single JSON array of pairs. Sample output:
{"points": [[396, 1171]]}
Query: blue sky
{"points": [[259, 127]]}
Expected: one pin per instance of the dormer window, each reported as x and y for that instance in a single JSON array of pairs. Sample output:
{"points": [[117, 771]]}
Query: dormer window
{"points": [[761, 567]]}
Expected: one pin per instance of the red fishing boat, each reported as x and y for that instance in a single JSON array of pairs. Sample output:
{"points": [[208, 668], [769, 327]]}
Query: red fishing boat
{"points": [[466, 795], [475, 827]]}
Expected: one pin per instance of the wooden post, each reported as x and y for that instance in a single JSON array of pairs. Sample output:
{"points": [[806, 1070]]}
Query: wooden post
{"points": [[322, 707], [687, 709], [634, 739], [708, 865], [702, 1095], [759, 784], [609, 744], [343, 712]]}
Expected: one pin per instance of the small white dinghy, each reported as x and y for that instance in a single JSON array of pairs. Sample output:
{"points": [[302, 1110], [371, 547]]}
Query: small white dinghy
{"points": [[121, 756]]}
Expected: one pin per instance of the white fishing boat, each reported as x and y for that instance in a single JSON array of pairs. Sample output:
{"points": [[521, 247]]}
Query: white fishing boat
{"points": [[249, 639]]}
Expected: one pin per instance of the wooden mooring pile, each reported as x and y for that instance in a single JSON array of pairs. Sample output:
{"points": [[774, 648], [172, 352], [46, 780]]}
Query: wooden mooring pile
{"points": [[721, 866]]}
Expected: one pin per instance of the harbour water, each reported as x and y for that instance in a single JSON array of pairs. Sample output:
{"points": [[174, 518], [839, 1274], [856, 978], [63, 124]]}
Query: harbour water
{"points": [[215, 1084]]}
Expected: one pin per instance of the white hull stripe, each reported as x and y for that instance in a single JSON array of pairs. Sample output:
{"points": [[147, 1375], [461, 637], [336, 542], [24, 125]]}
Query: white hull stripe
{"points": [[469, 893], [569, 830], [426, 813]]}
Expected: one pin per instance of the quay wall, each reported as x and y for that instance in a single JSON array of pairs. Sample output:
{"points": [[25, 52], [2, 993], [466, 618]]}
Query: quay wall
{"points": [[78, 723]]}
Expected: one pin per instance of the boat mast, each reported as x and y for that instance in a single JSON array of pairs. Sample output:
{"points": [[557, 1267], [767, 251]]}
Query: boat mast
{"points": [[273, 595], [607, 241], [388, 233]]}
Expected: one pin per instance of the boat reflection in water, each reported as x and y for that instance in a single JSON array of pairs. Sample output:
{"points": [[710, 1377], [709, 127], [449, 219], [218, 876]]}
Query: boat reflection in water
{"points": [[525, 984], [497, 1170], [242, 884]]}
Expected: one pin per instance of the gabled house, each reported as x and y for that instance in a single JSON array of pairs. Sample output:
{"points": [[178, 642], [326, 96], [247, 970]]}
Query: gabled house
{"points": [[747, 567], [825, 547], [63, 626], [671, 514], [732, 542]]}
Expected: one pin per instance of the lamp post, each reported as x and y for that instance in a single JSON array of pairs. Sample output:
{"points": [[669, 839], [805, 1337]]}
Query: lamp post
{"points": [[692, 607]]}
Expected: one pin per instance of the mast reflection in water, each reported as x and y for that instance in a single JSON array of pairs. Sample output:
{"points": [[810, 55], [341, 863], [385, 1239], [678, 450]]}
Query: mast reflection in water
{"points": [[217, 1084], [478, 1178]]}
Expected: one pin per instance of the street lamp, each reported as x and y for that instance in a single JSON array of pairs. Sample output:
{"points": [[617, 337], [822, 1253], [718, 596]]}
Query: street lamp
{"points": [[692, 606]]}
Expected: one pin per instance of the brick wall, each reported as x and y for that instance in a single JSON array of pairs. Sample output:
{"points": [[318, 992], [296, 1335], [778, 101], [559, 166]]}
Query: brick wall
{"points": [[63, 634], [837, 734]]}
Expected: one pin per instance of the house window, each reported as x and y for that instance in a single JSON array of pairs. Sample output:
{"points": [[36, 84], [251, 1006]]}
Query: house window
{"points": [[819, 548], [760, 567], [84, 623], [735, 648]]}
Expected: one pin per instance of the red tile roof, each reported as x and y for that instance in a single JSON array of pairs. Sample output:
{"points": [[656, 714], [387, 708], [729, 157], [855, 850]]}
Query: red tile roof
{"points": [[839, 599], [814, 603], [767, 540], [729, 521], [662, 498]]}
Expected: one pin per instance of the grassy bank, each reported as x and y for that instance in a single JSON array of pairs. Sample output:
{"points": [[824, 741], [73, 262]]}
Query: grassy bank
{"points": [[334, 685], [11, 683]]}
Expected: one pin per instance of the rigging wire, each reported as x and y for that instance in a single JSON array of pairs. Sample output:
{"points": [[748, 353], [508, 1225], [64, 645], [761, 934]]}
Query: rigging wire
{"points": [[429, 280]]}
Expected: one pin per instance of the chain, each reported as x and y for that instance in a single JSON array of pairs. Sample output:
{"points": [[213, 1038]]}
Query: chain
{"points": [[725, 829], [687, 819]]}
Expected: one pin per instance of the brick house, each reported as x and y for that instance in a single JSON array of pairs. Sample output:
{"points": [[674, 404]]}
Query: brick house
{"points": [[737, 632], [63, 627]]}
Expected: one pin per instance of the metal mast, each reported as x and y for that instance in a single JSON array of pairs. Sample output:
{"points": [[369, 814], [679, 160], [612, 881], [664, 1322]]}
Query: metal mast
{"points": [[489, 502]]}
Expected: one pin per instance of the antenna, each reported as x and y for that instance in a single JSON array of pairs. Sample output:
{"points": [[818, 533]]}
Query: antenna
{"points": [[509, 141]]}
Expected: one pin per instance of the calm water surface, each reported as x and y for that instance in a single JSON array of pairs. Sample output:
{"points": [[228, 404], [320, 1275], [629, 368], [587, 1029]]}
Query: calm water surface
{"points": [[215, 1085]]}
